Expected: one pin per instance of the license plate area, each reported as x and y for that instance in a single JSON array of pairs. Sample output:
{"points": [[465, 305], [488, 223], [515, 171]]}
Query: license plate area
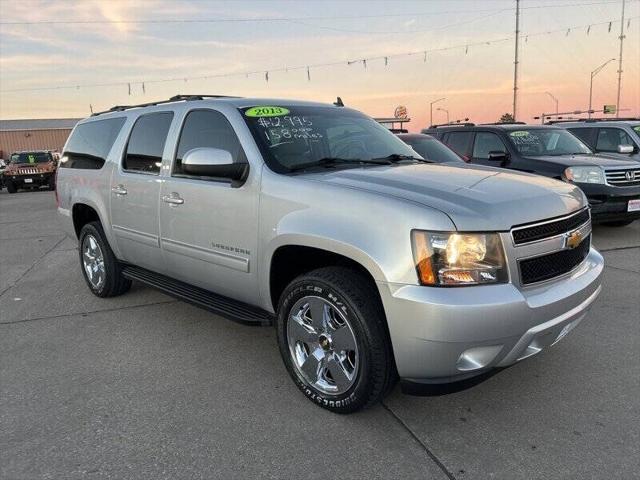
{"points": [[28, 180], [633, 205]]}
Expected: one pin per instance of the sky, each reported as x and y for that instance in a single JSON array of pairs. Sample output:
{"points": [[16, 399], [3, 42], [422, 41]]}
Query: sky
{"points": [[58, 58]]}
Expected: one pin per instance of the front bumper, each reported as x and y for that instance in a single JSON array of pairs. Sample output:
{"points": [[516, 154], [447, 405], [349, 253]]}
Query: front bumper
{"points": [[610, 203], [31, 180], [442, 335]]}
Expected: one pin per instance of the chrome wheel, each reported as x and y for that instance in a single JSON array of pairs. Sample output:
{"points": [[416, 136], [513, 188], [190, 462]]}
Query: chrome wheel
{"points": [[93, 261], [322, 345]]}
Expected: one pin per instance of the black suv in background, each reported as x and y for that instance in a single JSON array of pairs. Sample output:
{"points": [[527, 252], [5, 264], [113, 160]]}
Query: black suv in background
{"points": [[618, 138], [611, 185], [429, 148]]}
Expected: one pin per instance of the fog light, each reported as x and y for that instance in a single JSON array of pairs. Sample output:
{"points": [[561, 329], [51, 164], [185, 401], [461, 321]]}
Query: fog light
{"points": [[477, 357]]}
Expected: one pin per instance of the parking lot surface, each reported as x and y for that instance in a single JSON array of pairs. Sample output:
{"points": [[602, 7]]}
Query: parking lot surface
{"points": [[145, 386]]}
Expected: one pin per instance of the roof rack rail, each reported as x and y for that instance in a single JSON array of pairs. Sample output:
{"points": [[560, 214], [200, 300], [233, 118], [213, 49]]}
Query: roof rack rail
{"points": [[505, 123], [175, 98], [464, 124], [591, 120]]}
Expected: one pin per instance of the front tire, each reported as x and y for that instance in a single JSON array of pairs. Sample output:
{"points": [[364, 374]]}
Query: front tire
{"points": [[101, 269], [11, 187], [333, 339]]}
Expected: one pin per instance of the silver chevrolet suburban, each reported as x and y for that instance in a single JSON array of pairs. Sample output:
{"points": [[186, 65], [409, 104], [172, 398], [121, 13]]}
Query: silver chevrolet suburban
{"points": [[372, 262]]}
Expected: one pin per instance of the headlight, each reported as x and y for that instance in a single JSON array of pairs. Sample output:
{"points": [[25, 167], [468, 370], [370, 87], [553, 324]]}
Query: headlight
{"points": [[584, 175], [458, 259]]}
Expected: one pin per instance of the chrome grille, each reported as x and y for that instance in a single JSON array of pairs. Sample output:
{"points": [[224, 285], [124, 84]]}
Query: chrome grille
{"points": [[545, 267], [27, 171], [623, 178], [549, 228]]}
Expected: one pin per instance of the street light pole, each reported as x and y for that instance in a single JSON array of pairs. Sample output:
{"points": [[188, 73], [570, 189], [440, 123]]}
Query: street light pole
{"points": [[622, 36], [554, 99], [445, 111], [593, 74], [431, 109]]}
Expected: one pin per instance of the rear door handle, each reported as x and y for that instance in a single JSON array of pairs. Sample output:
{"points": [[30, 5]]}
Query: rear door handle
{"points": [[119, 190], [173, 199]]}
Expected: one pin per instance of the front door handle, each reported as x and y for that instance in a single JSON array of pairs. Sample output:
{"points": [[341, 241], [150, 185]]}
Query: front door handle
{"points": [[119, 190], [173, 199]]}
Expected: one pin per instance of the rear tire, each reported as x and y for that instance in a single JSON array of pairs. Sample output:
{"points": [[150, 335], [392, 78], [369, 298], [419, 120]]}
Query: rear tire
{"points": [[101, 269], [344, 362], [619, 223], [11, 187]]}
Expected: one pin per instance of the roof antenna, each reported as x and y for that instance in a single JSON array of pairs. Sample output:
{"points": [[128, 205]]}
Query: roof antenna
{"points": [[338, 102]]}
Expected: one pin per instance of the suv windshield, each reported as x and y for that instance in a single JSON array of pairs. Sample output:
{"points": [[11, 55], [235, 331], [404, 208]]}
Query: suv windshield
{"points": [[296, 137], [544, 142], [31, 157], [431, 149]]}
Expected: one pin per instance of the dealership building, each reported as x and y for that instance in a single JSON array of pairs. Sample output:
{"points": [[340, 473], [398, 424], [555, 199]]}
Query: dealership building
{"points": [[34, 134]]}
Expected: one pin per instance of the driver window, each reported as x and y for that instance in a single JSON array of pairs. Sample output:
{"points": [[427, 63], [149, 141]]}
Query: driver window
{"points": [[487, 142], [207, 128], [610, 138]]}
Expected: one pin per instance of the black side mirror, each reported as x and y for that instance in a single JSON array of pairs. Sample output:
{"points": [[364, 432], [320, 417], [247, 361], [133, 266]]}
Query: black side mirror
{"points": [[498, 156], [214, 162]]}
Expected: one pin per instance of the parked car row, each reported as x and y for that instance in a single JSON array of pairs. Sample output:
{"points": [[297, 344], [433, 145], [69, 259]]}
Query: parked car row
{"points": [[610, 181], [372, 260]]}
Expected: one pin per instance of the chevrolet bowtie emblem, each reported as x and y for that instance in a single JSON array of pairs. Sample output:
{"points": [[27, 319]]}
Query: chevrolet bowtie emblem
{"points": [[573, 239]]}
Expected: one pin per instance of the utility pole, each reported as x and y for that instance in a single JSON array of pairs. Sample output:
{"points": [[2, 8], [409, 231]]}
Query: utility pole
{"points": [[431, 109], [620, 61], [515, 63]]}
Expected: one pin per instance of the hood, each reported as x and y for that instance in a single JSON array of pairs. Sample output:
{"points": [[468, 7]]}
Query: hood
{"points": [[605, 161], [25, 168], [475, 198]]}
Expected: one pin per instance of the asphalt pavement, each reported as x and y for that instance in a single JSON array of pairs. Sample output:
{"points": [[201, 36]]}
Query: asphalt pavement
{"points": [[146, 387]]}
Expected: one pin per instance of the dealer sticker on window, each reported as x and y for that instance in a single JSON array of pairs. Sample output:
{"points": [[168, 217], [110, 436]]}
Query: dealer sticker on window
{"points": [[633, 205], [519, 133], [266, 111]]}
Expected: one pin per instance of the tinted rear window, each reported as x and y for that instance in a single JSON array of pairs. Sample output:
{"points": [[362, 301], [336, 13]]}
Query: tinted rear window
{"points": [[90, 143], [459, 142], [146, 144]]}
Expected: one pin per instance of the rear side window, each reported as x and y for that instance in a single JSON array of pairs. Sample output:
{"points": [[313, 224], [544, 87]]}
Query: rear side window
{"points": [[90, 143], [146, 143], [207, 128], [587, 135], [459, 142]]}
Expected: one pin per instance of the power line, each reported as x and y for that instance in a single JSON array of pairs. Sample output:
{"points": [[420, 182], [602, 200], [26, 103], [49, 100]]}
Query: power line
{"points": [[423, 53], [291, 19], [388, 32]]}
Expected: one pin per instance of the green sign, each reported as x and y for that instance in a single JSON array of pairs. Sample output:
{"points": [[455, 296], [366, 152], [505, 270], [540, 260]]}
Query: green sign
{"points": [[266, 111], [609, 109], [519, 133]]}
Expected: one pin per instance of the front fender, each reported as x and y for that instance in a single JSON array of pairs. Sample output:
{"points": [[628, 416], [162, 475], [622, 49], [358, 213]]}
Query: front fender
{"points": [[370, 229]]}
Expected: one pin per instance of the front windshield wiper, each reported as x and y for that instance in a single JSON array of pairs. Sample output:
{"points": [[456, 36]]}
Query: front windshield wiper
{"points": [[398, 157], [565, 154], [331, 161]]}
